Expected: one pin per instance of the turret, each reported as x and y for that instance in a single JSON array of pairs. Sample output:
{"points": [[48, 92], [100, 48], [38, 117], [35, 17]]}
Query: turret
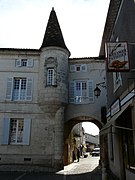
{"points": [[53, 88]]}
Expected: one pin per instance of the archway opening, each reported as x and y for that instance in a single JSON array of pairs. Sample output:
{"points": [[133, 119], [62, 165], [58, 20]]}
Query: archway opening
{"points": [[76, 134]]}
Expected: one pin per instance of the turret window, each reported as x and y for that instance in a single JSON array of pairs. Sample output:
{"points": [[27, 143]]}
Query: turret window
{"points": [[50, 76]]}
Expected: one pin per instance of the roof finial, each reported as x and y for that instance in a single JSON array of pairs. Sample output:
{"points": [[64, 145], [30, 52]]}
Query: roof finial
{"points": [[52, 8]]}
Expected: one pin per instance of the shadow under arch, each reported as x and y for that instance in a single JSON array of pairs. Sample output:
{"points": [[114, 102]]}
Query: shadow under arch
{"points": [[68, 128]]}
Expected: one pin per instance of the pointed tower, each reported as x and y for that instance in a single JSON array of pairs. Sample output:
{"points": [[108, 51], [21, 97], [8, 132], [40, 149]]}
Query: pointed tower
{"points": [[53, 64], [53, 35], [53, 87]]}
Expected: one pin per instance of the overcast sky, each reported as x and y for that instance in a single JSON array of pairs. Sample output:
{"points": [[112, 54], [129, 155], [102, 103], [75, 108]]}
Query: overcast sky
{"points": [[23, 23]]}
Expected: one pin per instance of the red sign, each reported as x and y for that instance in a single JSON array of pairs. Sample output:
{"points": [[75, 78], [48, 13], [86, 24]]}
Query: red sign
{"points": [[117, 56]]}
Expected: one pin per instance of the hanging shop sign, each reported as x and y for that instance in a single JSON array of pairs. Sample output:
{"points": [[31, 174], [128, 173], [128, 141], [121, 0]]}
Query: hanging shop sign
{"points": [[117, 56]]}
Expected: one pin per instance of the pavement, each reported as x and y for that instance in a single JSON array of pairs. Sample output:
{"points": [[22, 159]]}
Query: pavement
{"points": [[86, 169]]}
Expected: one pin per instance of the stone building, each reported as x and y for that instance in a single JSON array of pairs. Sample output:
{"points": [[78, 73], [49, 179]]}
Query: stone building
{"points": [[43, 94]]}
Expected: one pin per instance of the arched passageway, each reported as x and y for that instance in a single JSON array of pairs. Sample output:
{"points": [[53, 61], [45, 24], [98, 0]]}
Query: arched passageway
{"points": [[68, 140]]}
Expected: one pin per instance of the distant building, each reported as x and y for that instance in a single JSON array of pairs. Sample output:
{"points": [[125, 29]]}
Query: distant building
{"points": [[91, 141]]}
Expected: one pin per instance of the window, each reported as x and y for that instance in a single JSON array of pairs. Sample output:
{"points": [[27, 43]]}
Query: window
{"points": [[117, 81], [50, 76], [78, 68], [24, 62], [81, 92], [16, 131], [19, 89]]}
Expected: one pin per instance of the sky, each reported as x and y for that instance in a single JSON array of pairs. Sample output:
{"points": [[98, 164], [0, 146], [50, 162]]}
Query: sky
{"points": [[23, 24], [90, 128]]}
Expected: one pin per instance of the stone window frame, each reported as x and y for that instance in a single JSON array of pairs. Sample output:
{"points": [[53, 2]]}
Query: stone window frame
{"points": [[50, 63]]}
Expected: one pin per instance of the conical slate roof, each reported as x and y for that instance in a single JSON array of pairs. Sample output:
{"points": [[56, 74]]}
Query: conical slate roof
{"points": [[53, 35]]}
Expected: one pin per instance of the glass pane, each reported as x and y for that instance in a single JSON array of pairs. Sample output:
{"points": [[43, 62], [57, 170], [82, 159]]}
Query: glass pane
{"points": [[50, 76], [13, 127], [20, 131], [78, 68], [84, 89], [19, 91], [24, 62], [16, 83], [23, 83], [16, 130]]}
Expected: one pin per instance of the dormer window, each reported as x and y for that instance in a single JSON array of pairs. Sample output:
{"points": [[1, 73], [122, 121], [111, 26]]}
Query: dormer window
{"points": [[78, 68], [24, 63]]}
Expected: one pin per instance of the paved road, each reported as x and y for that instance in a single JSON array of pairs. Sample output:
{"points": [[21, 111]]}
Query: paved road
{"points": [[86, 168]]}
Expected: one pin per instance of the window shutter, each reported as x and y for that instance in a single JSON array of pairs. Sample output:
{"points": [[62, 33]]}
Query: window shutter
{"points": [[5, 133], [29, 89], [9, 88], [72, 68], [91, 91], [30, 63], [26, 132], [18, 63], [83, 67], [71, 92]]}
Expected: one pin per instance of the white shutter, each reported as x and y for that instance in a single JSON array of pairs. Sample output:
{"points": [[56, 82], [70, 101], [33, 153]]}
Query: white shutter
{"points": [[71, 92], [91, 91], [30, 63], [29, 89], [9, 88], [5, 131], [18, 63], [72, 68], [83, 67], [26, 131]]}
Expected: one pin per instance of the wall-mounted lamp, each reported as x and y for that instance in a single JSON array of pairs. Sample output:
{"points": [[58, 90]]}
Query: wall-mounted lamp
{"points": [[97, 91]]}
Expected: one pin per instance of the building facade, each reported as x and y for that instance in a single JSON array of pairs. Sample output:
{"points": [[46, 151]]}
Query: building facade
{"points": [[118, 135], [43, 94]]}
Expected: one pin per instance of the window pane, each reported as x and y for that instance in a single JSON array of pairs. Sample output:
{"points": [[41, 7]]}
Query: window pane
{"points": [[84, 89], [19, 91], [78, 68], [16, 130], [16, 83], [81, 91], [20, 131], [24, 62], [23, 89], [50, 77], [13, 127], [78, 86]]}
